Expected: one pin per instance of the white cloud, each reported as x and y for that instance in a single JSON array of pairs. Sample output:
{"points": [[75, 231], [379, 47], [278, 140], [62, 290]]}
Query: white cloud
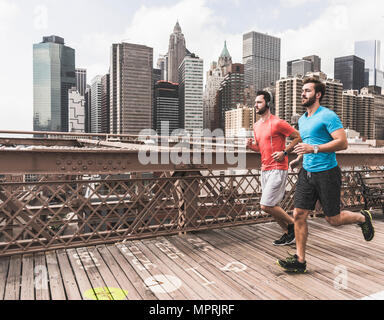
{"points": [[334, 32], [296, 3], [152, 26]]}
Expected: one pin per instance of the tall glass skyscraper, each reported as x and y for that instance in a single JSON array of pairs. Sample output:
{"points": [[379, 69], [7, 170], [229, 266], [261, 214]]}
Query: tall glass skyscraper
{"points": [[53, 76], [370, 51], [350, 71], [261, 59]]}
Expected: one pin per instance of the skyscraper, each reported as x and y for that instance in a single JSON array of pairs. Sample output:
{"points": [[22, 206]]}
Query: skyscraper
{"points": [[176, 53], [76, 111], [261, 59], [53, 76], [370, 51], [131, 85], [230, 94], [81, 80], [302, 66], [191, 94], [96, 90], [105, 102], [166, 107], [214, 78], [288, 96], [162, 65], [350, 71]]}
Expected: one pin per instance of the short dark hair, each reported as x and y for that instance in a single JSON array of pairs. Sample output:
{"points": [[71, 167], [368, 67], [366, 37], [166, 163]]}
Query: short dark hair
{"points": [[319, 86], [265, 94]]}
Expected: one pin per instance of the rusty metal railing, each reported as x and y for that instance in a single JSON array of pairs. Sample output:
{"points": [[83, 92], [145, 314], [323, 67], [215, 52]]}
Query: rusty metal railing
{"points": [[106, 196]]}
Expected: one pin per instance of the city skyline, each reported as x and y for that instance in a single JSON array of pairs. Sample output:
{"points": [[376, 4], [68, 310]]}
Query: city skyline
{"points": [[302, 32]]}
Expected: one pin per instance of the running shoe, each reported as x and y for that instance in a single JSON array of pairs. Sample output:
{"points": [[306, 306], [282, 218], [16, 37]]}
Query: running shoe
{"points": [[282, 241], [367, 226], [292, 264]]}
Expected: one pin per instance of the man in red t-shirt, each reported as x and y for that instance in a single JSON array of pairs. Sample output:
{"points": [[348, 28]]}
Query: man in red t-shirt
{"points": [[270, 140]]}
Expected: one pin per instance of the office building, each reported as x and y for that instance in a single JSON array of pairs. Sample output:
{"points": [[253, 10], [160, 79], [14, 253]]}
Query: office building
{"points": [[261, 59], [191, 94], [96, 89], [239, 120], [81, 80], [131, 87], [215, 76], [230, 94], [166, 107], [370, 51], [87, 111], [350, 71], [288, 96], [162, 65], [76, 118], [304, 65], [53, 76], [176, 53], [105, 103]]}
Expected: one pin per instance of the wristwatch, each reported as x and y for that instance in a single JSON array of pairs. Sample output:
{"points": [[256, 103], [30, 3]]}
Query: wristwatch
{"points": [[315, 149], [285, 153]]}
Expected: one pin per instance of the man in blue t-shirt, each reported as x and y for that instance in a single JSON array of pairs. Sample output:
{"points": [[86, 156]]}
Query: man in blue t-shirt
{"points": [[320, 178]]}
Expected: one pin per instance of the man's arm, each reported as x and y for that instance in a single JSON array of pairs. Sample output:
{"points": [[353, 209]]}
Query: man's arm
{"points": [[253, 146], [295, 136], [338, 143]]}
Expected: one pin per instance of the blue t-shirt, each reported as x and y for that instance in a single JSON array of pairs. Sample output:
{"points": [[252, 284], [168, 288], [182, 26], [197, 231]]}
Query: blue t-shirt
{"points": [[316, 130]]}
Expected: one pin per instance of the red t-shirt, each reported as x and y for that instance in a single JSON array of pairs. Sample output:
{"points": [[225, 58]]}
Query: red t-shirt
{"points": [[279, 130]]}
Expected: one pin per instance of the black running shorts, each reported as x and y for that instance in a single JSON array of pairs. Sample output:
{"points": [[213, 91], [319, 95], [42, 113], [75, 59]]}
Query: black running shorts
{"points": [[324, 186]]}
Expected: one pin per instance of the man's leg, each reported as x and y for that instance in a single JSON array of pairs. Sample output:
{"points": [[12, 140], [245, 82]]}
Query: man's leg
{"points": [[301, 232], [329, 188], [281, 217], [345, 217]]}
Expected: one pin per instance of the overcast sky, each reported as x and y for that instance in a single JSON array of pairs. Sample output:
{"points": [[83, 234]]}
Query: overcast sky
{"points": [[327, 28]]}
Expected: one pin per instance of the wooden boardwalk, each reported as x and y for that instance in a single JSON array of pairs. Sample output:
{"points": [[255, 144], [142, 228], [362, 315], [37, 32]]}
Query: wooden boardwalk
{"points": [[229, 264]]}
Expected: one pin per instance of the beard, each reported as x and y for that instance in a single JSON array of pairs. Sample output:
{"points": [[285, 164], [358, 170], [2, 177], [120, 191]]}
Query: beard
{"points": [[310, 102], [261, 111]]}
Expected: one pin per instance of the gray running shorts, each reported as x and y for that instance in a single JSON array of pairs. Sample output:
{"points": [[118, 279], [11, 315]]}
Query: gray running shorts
{"points": [[273, 184]]}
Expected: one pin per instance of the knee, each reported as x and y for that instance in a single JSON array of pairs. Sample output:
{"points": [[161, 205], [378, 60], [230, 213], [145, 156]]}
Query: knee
{"points": [[265, 208], [300, 215]]}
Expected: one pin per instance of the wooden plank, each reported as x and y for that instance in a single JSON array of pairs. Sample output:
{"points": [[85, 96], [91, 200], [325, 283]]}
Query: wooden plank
{"points": [[328, 261], [4, 265], [68, 277], [129, 272], [305, 281], [118, 273], [41, 277], [225, 262], [258, 261], [204, 271], [27, 278], [189, 288], [168, 284], [256, 275], [236, 291], [81, 276], [90, 264], [143, 267], [171, 255], [329, 269], [12, 288], [56, 285], [112, 289]]}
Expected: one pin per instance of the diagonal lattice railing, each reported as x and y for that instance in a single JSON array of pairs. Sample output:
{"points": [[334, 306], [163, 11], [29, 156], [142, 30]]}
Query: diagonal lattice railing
{"points": [[76, 211]]}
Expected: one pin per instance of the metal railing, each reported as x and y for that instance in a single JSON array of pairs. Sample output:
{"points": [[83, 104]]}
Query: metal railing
{"points": [[108, 202]]}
